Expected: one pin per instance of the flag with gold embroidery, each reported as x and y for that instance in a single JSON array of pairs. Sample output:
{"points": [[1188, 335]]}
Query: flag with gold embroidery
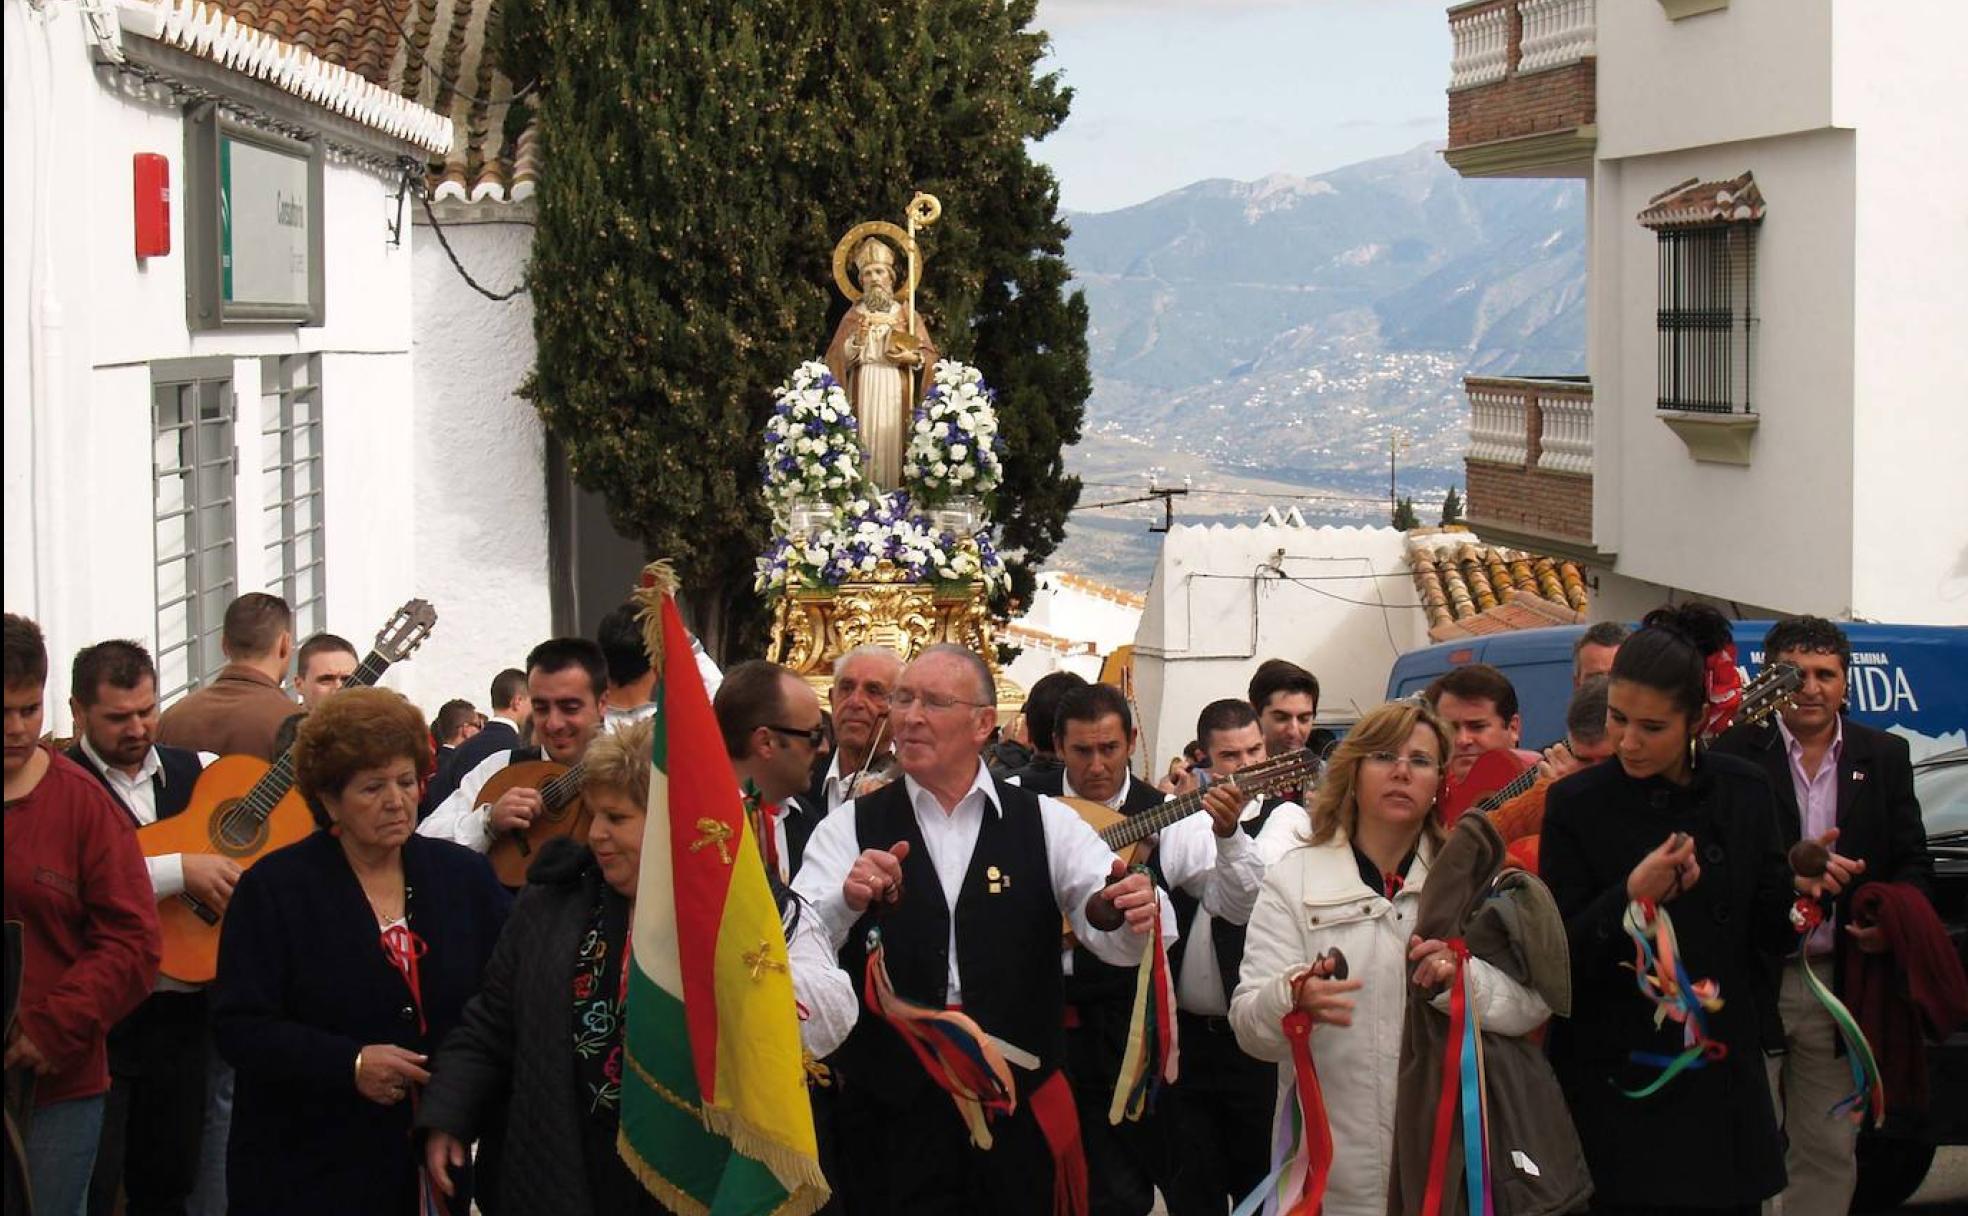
{"points": [[715, 1115]]}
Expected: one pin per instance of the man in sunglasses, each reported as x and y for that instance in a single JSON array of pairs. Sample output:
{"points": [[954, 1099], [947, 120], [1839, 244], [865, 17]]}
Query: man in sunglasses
{"points": [[770, 719]]}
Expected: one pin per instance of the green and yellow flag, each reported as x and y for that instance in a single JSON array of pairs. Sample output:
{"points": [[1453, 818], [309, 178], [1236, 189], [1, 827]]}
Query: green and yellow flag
{"points": [[715, 1115]]}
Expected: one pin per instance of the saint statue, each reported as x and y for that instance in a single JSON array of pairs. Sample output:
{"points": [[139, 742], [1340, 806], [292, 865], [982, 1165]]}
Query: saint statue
{"points": [[883, 357]]}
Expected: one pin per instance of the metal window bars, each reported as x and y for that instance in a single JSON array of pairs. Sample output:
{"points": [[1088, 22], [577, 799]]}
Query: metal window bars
{"points": [[1707, 318], [290, 444], [192, 480]]}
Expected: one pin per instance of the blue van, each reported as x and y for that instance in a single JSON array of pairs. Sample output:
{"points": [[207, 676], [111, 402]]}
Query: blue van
{"points": [[1909, 679]]}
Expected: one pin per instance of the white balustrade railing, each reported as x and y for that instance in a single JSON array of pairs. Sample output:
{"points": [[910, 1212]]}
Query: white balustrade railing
{"points": [[1497, 426], [1556, 32], [1565, 440], [1482, 47]]}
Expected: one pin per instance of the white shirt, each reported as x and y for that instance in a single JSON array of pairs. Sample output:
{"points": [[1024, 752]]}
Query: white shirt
{"points": [[1077, 858], [460, 818], [1232, 877], [824, 991]]}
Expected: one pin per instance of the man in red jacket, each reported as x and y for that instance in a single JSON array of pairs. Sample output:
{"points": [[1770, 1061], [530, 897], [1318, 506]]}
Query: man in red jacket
{"points": [[76, 881]]}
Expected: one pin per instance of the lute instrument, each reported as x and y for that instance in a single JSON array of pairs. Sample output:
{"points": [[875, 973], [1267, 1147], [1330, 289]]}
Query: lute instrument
{"points": [[244, 808], [562, 813]]}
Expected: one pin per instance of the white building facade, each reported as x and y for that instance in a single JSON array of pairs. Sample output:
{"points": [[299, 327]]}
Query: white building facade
{"points": [[1805, 457]]}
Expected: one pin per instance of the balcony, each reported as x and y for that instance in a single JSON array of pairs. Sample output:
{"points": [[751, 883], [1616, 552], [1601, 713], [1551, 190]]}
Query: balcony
{"points": [[1522, 88], [1529, 465]]}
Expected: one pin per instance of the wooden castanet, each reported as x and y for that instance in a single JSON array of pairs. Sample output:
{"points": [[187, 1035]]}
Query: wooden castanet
{"points": [[236, 812], [562, 813]]}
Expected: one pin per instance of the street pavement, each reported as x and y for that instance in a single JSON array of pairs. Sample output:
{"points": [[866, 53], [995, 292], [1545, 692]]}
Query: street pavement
{"points": [[1946, 1188]]}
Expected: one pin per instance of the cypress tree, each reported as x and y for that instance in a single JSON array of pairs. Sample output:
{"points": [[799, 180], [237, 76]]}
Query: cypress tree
{"points": [[701, 159], [1451, 507]]}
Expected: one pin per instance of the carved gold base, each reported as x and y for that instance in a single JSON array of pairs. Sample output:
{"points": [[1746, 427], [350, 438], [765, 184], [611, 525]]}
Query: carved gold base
{"points": [[812, 626]]}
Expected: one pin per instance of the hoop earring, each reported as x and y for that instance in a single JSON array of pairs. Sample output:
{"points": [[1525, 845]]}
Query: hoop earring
{"points": [[1693, 741]]}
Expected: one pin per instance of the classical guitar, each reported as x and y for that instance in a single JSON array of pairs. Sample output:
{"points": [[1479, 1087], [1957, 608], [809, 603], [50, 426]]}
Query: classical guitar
{"points": [[1125, 833], [562, 813], [244, 808]]}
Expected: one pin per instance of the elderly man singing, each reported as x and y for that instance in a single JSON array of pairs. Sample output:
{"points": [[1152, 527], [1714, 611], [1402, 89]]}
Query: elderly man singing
{"points": [[966, 878]]}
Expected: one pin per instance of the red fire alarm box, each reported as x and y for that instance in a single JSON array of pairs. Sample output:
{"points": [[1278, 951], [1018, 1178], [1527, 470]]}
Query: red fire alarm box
{"points": [[151, 172]]}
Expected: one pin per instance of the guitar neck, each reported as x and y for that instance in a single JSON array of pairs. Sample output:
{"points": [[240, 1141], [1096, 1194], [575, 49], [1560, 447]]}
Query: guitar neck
{"points": [[557, 792], [270, 789], [1519, 784], [1257, 781]]}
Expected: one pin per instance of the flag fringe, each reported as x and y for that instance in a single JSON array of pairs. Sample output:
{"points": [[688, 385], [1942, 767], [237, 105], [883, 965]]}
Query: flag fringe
{"points": [[658, 582], [799, 1174], [667, 1193]]}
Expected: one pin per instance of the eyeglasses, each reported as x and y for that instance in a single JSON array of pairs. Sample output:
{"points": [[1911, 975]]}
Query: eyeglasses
{"points": [[814, 737], [1419, 762], [906, 698]]}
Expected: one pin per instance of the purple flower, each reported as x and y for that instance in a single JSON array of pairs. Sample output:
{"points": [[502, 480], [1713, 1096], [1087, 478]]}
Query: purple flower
{"points": [[814, 427]]}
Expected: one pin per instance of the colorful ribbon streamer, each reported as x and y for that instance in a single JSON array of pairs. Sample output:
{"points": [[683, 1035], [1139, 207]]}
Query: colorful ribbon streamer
{"points": [[1465, 1091], [1301, 1138], [1868, 1096], [1149, 1061], [1664, 982], [953, 1049]]}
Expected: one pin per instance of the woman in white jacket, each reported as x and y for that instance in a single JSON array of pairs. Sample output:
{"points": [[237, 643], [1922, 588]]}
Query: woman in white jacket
{"points": [[1354, 885]]}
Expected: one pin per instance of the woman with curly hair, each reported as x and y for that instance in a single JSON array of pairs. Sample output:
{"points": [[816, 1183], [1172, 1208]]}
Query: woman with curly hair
{"points": [[344, 960], [1354, 886]]}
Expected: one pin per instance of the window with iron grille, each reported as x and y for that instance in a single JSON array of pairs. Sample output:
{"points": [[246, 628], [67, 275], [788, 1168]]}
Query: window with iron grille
{"points": [[290, 445], [1707, 317], [194, 470]]}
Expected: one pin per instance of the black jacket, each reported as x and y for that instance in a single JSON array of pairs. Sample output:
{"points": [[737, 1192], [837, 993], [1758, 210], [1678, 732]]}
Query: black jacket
{"points": [[516, 1041], [1713, 1126], [303, 985], [498, 736]]}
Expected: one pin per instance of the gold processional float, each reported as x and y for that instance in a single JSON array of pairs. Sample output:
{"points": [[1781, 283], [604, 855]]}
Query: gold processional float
{"points": [[880, 463]]}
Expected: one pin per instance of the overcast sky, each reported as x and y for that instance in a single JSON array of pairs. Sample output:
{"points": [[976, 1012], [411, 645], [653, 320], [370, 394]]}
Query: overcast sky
{"points": [[1167, 92]]}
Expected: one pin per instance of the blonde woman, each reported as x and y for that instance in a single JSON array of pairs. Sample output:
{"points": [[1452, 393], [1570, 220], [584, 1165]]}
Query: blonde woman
{"points": [[1354, 885]]}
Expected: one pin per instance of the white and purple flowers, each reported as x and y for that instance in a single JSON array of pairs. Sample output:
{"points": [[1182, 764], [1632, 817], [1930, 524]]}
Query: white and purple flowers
{"points": [[954, 447], [812, 445], [873, 529]]}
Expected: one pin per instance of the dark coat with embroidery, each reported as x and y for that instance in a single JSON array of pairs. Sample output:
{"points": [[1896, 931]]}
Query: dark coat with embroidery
{"points": [[516, 1041]]}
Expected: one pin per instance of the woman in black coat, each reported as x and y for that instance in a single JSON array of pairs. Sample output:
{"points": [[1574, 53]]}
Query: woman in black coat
{"points": [[1698, 835], [317, 1006]]}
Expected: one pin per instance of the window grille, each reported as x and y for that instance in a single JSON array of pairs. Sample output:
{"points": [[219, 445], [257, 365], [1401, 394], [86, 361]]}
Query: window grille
{"points": [[193, 478], [1707, 317], [290, 445]]}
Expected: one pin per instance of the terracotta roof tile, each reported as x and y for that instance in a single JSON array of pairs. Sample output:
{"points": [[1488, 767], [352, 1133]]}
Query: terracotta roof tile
{"points": [[447, 63], [1694, 204], [1468, 588], [1099, 590]]}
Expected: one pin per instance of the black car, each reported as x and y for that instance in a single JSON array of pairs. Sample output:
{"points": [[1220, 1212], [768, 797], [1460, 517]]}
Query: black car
{"points": [[1893, 1163]]}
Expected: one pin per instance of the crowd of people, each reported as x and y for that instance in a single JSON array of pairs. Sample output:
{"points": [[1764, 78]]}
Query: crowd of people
{"points": [[391, 1029]]}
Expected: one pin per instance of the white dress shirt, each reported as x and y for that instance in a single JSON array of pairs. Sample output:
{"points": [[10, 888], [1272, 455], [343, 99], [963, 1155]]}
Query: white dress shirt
{"points": [[460, 818], [826, 993], [1232, 877], [1077, 858]]}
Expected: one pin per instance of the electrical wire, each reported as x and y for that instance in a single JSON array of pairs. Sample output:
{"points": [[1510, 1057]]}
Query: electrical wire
{"points": [[430, 214]]}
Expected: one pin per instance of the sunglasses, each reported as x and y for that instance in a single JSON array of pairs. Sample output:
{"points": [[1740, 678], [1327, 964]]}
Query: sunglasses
{"points": [[814, 737]]}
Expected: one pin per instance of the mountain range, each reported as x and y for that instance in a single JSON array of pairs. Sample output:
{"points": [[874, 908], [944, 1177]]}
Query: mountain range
{"points": [[1270, 340]]}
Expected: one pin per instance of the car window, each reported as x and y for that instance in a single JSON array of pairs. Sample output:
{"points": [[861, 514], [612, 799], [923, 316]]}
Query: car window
{"points": [[1941, 784]]}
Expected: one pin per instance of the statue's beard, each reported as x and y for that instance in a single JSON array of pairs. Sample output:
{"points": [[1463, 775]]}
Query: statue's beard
{"points": [[877, 299]]}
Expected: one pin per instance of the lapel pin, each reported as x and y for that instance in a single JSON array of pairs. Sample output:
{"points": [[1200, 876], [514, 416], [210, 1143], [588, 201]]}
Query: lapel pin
{"points": [[1857, 775], [996, 880]]}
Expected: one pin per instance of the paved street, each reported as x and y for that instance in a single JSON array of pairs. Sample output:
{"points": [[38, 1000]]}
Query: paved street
{"points": [[1946, 1189]]}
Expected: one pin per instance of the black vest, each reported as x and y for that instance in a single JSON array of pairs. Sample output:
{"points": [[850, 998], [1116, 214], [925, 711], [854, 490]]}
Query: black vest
{"points": [[1225, 938], [178, 770], [1007, 941]]}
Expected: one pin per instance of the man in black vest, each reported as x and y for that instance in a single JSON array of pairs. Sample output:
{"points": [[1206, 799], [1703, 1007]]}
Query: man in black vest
{"points": [[1201, 858], [506, 729], [156, 1116], [1853, 787], [566, 685], [770, 719], [1218, 1117], [966, 878]]}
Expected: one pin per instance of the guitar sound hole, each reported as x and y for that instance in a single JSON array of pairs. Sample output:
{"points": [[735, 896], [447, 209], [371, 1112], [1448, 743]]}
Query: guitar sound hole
{"points": [[236, 831]]}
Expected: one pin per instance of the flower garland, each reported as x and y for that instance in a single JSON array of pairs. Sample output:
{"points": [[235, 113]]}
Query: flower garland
{"points": [[812, 444], [954, 448], [873, 529]]}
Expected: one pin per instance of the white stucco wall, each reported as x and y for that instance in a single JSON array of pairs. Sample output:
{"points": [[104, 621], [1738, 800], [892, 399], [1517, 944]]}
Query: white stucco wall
{"points": [[481, 508], [1666, 511], [1897, 84], [79, 499], [1213, 616], [1754, 69]]}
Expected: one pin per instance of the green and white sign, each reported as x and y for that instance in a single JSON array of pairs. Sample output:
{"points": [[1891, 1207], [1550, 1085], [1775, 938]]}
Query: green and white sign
{"points": [[264, 206]]}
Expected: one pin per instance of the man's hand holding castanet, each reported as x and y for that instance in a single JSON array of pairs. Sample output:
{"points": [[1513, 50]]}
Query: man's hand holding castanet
{"points": [[1225, 804], [515, 810], [1127, 899], [875, 875]]}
